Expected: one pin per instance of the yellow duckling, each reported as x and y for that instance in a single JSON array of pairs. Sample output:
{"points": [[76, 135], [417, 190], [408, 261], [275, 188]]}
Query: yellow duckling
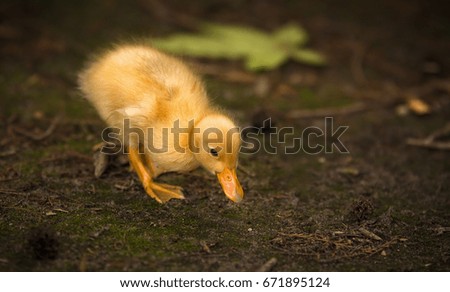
{"points": [[171, 123]]}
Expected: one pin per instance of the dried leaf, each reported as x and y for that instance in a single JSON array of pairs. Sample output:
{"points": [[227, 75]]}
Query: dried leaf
{"points": [[418, 106]]}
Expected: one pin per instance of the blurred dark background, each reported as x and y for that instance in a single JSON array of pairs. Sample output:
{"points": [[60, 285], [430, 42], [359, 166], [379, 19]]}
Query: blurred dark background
{"points": [[383, 207]]}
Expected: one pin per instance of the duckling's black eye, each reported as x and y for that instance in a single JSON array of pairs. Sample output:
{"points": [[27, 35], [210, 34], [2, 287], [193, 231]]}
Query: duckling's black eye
{"points": [[213, 152]]}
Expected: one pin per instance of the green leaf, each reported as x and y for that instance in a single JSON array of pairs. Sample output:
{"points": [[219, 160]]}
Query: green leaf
{"points": [[260, 50], [192, 45], [265, 61], [237, 40], [291, 34], [309, 57]]}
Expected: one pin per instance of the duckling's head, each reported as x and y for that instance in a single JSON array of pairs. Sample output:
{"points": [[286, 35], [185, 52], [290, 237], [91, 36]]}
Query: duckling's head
{"points": [[216, 147]]}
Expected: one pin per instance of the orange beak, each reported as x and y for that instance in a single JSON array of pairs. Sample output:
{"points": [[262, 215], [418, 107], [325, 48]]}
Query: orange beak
{"points": [[230, 184]]}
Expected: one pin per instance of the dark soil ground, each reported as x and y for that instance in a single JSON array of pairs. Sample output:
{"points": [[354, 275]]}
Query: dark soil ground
{"points": [[382, 207]]}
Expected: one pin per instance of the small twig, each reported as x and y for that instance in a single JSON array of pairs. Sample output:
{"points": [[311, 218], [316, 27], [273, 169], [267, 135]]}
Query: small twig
{"points": [[246, 171], [82, 266], [205, 247], [101, 161], [430, 140], [67, 155], [428, 144], [98, 146], [8, 179], [342, 248], [267, 266], [367, 252], [433, 85], [441, 230], [325, 112], [314, 237], [369, 234], [440, 133], [356, 64], [42, 136], [8, 152], [11, 192], [124, 187]]}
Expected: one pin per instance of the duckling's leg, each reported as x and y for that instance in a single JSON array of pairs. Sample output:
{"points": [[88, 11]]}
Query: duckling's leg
{"points": [[175, 192], [160, 192]]}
